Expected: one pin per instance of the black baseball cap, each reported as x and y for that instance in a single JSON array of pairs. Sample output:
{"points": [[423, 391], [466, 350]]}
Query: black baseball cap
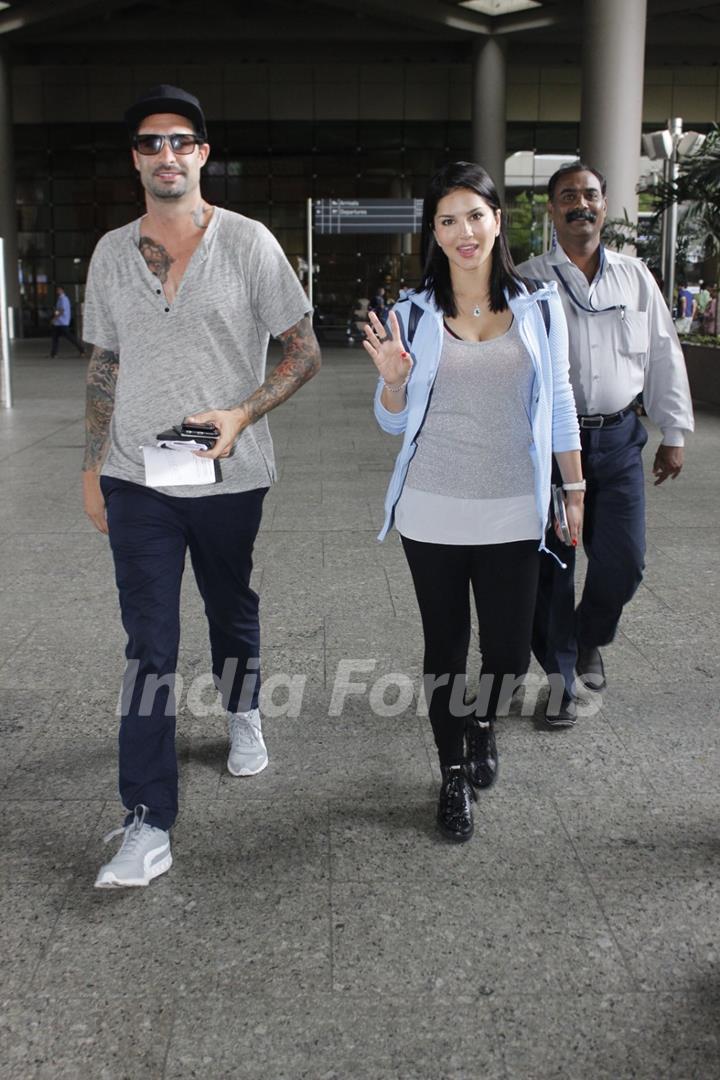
{"points": [[166, 99]]}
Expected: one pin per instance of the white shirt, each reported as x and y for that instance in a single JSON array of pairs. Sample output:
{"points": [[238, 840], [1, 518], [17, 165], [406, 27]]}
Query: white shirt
{"points": [[617, 354]]}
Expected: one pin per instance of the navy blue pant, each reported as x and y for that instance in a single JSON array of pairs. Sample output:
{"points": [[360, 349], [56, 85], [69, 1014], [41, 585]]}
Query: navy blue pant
{"points": [[614, 542], [149, 536]]}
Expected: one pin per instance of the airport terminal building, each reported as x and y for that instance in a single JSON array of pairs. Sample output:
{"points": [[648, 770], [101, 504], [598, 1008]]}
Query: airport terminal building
{"points": [[333, 101], [315, 925]]}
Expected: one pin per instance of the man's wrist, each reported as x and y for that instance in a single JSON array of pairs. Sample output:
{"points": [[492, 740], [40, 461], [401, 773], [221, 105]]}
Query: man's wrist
{"points": [[242, 416], [673, 437]]}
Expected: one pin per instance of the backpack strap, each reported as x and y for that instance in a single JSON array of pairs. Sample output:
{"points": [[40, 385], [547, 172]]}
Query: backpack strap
{"points": [[415, 317], [537, 283], [416, 313], [545, 308]]}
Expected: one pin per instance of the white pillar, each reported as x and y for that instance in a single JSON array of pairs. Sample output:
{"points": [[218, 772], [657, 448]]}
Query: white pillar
{"points": [[612, 96], [488, 108], [6, 396], [8, 208]]}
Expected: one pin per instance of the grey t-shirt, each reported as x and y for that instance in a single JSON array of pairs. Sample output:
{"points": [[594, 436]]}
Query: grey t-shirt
{"points": [[471, 480], [206, 350]]}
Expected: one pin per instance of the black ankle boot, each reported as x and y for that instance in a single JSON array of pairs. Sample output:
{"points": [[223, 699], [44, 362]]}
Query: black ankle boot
{"points": [[482, 755], [455, 812]]}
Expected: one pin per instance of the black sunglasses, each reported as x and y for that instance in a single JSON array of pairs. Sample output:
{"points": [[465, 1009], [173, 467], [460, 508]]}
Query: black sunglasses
{"points": [[153, 144]]}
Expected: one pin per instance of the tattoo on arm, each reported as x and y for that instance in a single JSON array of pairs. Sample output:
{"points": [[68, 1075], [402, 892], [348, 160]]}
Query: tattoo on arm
{"points": [[301, 360], [157, 257], [100, 401]]}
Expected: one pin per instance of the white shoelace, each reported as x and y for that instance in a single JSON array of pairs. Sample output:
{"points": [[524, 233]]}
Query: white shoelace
{"points": [[131, 831], [244, 731]]}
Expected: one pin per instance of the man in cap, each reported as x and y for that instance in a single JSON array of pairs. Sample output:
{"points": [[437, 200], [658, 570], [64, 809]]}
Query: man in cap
{"points": [[180, 306], [622, 343]]}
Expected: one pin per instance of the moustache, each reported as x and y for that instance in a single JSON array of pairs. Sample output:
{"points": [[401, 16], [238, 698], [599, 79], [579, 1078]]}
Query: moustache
{"points": [[580, 215]]}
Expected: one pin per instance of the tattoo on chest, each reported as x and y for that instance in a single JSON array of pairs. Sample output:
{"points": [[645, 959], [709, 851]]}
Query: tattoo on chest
{"points": [[157, 257]]}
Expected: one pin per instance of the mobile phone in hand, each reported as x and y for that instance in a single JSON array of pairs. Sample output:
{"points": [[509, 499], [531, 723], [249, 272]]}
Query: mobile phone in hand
{"points": [[204, 431], [560, 513]]}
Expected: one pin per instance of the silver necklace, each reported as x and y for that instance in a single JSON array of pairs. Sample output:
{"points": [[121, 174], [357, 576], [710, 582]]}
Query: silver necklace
{"points": [[476, 311]]}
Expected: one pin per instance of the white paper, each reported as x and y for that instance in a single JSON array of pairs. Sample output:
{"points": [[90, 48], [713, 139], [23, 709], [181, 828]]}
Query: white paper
{"points": [[182, 444], [165, 467]]}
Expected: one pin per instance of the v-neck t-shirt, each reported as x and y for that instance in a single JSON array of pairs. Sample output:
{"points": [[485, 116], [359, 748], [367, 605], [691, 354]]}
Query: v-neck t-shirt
{"points": [[205, 350]]}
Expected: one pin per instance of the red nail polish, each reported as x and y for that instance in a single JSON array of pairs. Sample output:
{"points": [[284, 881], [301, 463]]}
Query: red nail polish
{"points": [[574, 543]]}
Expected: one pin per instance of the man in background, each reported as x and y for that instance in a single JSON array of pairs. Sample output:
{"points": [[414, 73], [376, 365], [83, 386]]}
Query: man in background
{"points": [[622, 343], [703, 300], [687, 309], [60, 326]]}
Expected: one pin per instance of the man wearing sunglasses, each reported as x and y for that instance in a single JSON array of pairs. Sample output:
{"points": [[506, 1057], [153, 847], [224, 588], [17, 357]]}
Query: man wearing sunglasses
{"points": [[622, 343], [180, 306]]}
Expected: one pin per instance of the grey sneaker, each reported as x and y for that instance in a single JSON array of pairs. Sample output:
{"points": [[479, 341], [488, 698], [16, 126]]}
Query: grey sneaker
{"points": [[248, 753], [144, 854]]}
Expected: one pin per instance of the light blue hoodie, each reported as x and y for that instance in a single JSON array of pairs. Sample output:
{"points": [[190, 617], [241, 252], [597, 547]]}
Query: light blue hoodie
{"points": [[553, 414]]}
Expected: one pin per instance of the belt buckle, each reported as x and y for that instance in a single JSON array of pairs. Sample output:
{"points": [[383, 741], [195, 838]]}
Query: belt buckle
{"points": [[596, 421]]}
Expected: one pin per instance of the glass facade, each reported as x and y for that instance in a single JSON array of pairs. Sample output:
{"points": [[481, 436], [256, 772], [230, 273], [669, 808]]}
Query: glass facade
{"points": [[76, 181]]}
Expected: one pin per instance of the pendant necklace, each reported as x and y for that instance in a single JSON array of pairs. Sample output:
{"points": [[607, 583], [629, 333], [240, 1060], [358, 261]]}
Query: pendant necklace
{"points": [[476, 311]]}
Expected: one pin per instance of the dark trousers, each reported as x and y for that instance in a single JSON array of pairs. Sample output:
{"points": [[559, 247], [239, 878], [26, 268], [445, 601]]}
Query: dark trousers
{"points": [[614, 542], [149, 536], [503, 578], [63, 331]]}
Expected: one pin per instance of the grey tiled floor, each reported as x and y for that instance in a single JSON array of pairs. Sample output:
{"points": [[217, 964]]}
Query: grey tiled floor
{"points": [[314, 926]]}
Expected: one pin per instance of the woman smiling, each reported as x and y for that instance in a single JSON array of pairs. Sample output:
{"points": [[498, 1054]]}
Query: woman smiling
{"points": [[474, 374]]}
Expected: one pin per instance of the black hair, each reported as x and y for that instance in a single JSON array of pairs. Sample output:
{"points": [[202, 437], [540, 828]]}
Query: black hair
{"points": [[573, 167], [504, 277]]}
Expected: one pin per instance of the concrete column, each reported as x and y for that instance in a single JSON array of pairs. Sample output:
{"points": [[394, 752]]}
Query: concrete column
{"points": [[612, 96], [488, 107], [8, 210]]}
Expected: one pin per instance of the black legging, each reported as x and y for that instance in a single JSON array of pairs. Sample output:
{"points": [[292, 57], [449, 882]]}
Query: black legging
{"points": [[504, 582]]}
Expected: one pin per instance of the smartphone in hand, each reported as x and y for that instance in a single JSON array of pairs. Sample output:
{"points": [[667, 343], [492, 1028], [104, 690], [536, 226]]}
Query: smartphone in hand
{"points": [[560, 514], [205, 435], [197, 430]]}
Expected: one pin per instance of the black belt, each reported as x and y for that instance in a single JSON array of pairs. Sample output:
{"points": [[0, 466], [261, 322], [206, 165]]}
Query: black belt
{"points": [[598, 420]]}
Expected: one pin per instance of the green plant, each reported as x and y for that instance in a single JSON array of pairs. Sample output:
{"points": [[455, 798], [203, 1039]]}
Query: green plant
{"points": [[644, 236], [701, 339], [524, 216], [697, 192], [620, 232]]}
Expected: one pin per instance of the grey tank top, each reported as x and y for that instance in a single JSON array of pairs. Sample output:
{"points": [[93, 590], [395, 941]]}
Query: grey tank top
{"points": [[471, 480]]}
